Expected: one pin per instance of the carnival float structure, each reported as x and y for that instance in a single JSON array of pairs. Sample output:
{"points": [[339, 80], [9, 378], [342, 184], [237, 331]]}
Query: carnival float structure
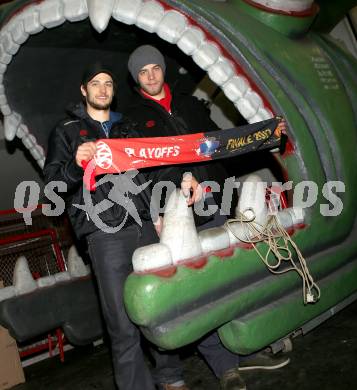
{"points": [[268, 58]]}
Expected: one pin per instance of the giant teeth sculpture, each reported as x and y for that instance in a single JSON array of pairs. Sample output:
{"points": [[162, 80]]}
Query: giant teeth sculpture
{"points": [[76, 266], [23, 281], [252, 208], [179, 231], [178, 240], [100, 13], [151, 16], [214, 239]]}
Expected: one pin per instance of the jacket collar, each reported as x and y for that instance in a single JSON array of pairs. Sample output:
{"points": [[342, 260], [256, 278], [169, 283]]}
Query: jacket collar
{"points": [[79, 111]]}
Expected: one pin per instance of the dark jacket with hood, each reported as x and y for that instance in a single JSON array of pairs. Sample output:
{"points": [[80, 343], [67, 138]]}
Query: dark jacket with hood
{"points": [[61, 165], [188, 115]]}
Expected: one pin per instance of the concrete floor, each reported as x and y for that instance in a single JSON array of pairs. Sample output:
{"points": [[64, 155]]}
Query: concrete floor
{"points": [[324, 359]]}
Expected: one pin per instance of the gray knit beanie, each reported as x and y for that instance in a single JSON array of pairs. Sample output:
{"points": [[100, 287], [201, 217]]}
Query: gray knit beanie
{"points": [[142, 56]]}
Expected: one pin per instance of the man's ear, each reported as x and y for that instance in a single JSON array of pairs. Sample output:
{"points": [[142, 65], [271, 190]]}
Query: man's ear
{"points": [[83, 90]]}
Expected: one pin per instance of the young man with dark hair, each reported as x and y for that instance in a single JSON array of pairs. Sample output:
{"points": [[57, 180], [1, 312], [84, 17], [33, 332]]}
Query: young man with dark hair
{"points": [[112, 242]]}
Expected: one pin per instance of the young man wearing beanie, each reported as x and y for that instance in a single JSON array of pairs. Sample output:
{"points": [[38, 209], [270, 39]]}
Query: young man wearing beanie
{"points": [[160, 111], [71, 146]]}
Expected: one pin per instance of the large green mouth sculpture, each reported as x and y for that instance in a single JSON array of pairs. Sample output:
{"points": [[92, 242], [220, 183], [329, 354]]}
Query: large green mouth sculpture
{"points": [[267, 62]]}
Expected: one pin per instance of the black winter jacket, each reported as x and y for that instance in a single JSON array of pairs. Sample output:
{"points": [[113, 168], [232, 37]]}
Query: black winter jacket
{"points": [[188, 115], [60, 165]]}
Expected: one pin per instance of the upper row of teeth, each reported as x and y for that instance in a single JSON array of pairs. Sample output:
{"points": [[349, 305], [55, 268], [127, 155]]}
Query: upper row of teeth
{"points": [[286, 5], [149, 15]]}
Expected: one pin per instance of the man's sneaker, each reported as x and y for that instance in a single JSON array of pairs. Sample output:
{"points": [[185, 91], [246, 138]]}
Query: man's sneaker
{"points": [[263, 361], [231, 380], [168, 386]]}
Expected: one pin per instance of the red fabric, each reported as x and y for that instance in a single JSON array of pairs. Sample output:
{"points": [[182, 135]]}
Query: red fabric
{"points": [[89, 175], [150, 123], [164, 102], [121, 154]]}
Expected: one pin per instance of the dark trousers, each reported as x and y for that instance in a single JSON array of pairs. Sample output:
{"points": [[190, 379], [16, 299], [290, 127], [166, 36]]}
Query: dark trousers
{"points": [[111, 259], [219, 358]]}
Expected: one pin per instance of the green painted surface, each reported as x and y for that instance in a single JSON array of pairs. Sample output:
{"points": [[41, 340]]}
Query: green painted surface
{"points": [[250, 334], [155, 296], [291, 26], [8, 9]]}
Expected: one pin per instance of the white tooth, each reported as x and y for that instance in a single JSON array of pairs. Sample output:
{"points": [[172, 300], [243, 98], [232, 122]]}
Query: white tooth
{"points": [[11, 124], [8, 44], [100, 13], [62, 276], [150, 15], [22, 279], [31, 18], [256, 118], [75, 10], [179, 230], [235, 88], [4, 106], [221, 71], [262, 115], [265, 113], [76, 266], [46, 281], [41, 151], [36, 153], [171, 27], [29, 141], [255, 100], [7, 292], [286, 5], [236, 231], [150, 257], [41, 163], [252, 202], [22, 131], [249, 105], [191, 40], [126, 11], [214, 239], [5, 109], [3, 100], [5, 58], [206, 55], [51, 13], [246, 108], [17, 30], [290, 217]]}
